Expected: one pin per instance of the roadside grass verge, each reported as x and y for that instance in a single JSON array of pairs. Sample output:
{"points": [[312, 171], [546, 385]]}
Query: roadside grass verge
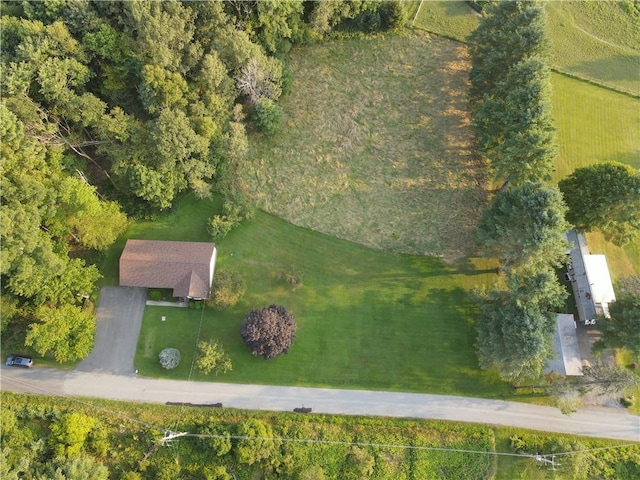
{"points": [[376, 146], [366, 319], [597, 125], [597, 41]]}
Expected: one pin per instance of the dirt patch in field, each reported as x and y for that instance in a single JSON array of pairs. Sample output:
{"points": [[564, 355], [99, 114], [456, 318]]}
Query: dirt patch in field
{"points": [[376, 146]]}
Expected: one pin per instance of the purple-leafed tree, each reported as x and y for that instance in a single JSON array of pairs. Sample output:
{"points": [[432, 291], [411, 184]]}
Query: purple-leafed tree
{"points": [[269, 332]]}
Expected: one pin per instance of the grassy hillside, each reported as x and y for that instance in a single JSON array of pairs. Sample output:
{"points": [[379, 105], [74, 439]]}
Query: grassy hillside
{"points": [[376, 146], [595, 40]]}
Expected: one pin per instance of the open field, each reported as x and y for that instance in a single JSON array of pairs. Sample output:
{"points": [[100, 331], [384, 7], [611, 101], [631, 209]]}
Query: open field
{"points": [[454, 20], [366, 319], [595, 40], [376, 146], [594, 124]]}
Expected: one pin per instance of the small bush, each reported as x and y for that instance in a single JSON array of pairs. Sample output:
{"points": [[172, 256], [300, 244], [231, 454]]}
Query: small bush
{"points": [[392, 15], [221, 225], [287, 80], [212, 358], [291, 277], [228, 288], [234, 212], [195, 304], [628, 402], [169, 358], [267, 115]]}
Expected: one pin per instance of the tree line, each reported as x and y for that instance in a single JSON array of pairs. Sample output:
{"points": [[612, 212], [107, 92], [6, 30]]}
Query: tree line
{"points": [[115, 109], [524, 226]]}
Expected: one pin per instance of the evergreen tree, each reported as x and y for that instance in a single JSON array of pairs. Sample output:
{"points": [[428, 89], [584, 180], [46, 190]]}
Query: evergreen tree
{"points": [[524, 226], [508, 33]]}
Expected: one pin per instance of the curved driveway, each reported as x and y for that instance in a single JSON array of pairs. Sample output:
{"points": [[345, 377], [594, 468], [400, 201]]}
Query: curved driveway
{"points": [[595, 421]]}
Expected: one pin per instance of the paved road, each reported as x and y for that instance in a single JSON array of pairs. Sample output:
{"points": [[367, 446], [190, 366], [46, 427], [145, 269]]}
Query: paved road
{"points": [[119, 318], [594, 421]]}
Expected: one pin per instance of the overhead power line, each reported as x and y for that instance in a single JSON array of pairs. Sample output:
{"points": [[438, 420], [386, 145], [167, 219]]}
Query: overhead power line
{"points": [[170, 435]]}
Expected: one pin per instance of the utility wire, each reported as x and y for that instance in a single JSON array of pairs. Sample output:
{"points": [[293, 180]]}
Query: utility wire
{"points": [[320, 441], [89, 404]]}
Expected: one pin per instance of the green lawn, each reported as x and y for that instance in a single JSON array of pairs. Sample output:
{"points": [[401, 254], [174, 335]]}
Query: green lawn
{"points": [[597, 125], [596, 40], [452, 19], [594, 125], [369, 318], [376, 146], [366, 319]]}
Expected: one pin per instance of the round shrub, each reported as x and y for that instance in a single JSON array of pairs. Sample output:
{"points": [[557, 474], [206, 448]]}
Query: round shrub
{"points": [[269, 332], [169, 358]]}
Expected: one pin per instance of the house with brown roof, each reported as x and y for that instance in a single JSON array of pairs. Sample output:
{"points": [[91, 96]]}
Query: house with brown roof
{"points": [[185, 267]]}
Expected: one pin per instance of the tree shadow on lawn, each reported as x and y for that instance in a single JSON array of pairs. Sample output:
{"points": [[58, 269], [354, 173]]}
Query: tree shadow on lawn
{"points": [[613, 69], [452, 345]]}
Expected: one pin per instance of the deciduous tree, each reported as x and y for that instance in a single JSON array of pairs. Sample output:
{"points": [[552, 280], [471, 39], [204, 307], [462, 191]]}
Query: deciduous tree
{"points": [[269, 332], [212, 358], [260, 445], [513, 339], [622, 330], [66, 332], [605, 197], [70, 432]]}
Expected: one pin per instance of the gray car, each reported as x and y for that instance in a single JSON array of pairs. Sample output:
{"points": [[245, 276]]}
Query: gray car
{"points": [[18, 361]]}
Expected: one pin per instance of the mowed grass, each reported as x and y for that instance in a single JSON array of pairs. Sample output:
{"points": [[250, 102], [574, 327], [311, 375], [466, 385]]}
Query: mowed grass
{"points": [[451, 19], [597, 125], [376, 146], [595, 40], [366, 319]]}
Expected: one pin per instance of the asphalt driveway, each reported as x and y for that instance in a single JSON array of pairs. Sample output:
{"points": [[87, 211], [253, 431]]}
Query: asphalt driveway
{"points": [[119, 317]]}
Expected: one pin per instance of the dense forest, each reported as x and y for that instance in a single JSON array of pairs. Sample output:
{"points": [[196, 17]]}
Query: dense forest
{"points": [[112, 110]]}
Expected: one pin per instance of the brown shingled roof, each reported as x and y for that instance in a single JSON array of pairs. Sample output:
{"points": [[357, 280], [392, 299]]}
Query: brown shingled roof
{"points": [[186, 267]]}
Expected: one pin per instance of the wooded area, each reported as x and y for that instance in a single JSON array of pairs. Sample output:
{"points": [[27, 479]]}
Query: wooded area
{"points": [[113, 110]]}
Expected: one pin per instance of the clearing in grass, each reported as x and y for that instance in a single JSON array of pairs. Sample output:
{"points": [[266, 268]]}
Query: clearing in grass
{"points": [[376, 146]]}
